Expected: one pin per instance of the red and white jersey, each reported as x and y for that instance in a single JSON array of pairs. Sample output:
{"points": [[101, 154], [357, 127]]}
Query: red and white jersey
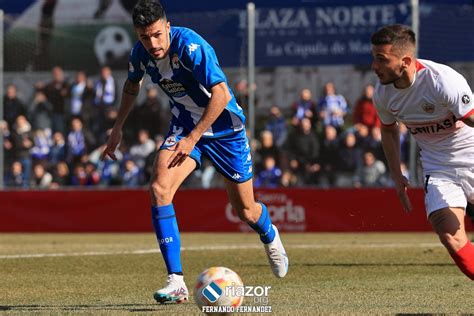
{"points": [[432, 109]]}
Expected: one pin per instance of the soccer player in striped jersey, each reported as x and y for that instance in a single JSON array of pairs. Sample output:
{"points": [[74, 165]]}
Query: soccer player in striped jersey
{"points": [[436, 104], [206, 120]]}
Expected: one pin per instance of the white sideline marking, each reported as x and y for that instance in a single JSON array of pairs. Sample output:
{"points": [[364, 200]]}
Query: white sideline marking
{"points": [[217, 247]]}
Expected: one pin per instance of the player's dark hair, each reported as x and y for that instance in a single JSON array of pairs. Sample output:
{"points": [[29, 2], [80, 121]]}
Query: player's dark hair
{"points": [[147, 12], [400, 36]]}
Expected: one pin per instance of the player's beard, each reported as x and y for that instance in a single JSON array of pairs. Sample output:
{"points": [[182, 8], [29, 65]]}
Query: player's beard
{"points": [[164, 54]]}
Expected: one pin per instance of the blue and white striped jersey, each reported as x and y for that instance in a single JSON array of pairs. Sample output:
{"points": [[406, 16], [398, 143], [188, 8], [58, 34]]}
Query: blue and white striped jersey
{"points": [[187, 75]]}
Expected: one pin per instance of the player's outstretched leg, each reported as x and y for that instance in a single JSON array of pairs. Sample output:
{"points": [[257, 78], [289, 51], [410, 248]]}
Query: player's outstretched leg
{"points": [[163, 185], [257, 216], [448, 223], [167, 235]]}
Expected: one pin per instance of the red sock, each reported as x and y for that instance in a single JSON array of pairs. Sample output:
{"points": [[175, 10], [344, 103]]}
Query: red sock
{"points": [[464, 259]]}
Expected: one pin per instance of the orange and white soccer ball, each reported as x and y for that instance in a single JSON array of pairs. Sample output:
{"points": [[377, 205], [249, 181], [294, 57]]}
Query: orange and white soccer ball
{"points": [[218, 286]]}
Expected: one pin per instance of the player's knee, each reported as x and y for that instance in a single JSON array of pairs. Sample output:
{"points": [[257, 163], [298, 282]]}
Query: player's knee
{"points": [[451, 242], [161, 194]]}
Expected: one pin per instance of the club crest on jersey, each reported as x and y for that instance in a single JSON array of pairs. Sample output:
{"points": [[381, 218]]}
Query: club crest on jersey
{"points": [[465, 99], [428, 108], [175, 61], [170, 141]]}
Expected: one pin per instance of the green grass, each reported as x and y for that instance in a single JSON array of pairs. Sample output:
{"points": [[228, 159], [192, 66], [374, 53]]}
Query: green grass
{"points": [[329, 273]]}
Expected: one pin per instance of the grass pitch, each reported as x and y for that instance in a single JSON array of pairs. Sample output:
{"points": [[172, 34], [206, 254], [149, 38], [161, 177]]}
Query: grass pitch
{"points": [[329, 273]]}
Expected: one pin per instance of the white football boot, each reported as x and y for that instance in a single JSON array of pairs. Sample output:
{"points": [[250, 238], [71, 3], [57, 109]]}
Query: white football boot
{"points": [[175, 290], [277, 255]]}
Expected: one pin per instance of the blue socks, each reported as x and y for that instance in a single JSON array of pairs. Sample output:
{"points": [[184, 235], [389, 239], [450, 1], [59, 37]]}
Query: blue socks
{"points": [[264, 226], [167, 234]]}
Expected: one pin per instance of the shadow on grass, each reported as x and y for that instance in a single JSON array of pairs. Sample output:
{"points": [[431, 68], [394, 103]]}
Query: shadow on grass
{"points": [[362, 265], [376, 264], [85, 307]]}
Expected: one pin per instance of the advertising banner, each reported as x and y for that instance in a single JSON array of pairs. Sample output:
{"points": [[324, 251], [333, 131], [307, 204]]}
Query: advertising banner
{"points": [[292, 210], [86, 34]]}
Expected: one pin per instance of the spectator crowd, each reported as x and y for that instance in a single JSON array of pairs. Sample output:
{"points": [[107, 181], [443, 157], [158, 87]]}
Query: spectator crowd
{"points": [[55, 140]]}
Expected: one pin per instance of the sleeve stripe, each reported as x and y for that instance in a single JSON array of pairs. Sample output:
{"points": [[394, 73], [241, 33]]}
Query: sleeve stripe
{"points": [[471, 112], [419, 66]]}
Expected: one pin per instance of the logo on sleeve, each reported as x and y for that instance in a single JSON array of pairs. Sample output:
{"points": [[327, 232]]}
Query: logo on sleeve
{"points": [[192, 47], [466, 99]]}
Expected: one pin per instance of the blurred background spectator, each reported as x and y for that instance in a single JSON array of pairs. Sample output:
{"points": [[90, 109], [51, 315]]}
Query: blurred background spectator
{"points": [[12, 105], [82, 94], [56, 91], [270, 175], [40, 112], [371, 173], [303, 150], [131, 176], [277, 125], [61, 175], [329, 154], [22, 140], [15, 177], [104, 99], [305, 107], [348, 160], [41, 178], [265, 149], [364, 110], [332, 107], [79, 140]]}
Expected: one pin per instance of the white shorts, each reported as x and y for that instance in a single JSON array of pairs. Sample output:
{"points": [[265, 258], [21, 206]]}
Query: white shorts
{"points": [[453, 188]]}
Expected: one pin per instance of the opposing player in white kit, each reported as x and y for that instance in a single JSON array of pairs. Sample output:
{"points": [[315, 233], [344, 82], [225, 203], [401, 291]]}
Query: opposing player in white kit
{"points": [[436, 104]]}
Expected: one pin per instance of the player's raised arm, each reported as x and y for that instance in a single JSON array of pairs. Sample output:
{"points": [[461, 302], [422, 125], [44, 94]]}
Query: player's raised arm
{"points": [[391, 147], [129, 93]]}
